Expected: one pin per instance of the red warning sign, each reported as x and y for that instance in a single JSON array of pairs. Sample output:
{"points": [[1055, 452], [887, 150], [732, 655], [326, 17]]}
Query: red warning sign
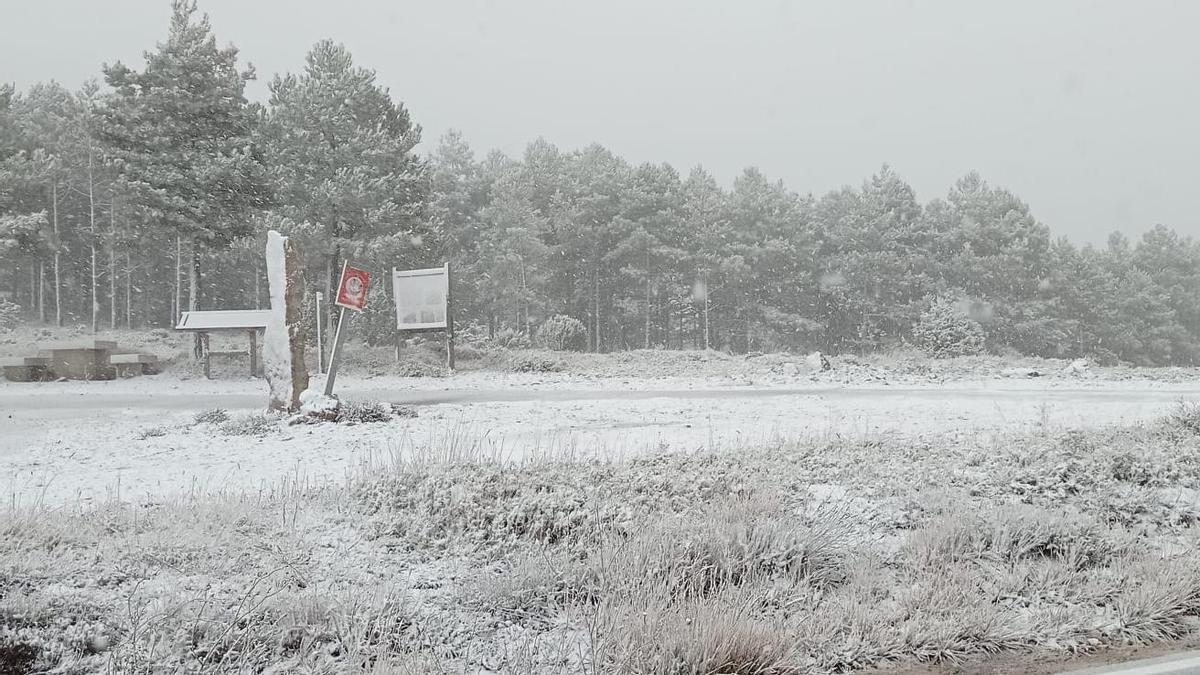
{"points": [[352, 290]]}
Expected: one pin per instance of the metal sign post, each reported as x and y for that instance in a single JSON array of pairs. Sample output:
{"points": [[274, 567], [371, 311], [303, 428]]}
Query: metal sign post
{"points": [[320, 346], [352, 294], [336, 356]]}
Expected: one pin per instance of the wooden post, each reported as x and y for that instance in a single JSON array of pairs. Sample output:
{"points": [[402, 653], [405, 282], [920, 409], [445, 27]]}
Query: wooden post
{"points": [[449, 322], [204, 347], [336, 357], [253, 352]]}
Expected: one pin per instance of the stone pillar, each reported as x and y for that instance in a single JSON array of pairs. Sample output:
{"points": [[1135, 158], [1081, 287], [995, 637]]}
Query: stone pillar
{"points": [[283, 340]]}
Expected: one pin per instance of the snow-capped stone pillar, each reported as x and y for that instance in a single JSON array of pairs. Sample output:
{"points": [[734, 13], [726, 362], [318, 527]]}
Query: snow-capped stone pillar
{"points": [[283, 340]]}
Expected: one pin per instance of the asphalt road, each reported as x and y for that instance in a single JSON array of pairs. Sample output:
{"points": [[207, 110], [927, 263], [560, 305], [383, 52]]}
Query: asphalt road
{"points": [[1185, 663]]}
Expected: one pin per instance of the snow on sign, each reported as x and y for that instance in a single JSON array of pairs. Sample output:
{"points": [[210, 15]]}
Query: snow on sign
{"points": [[352, 290], [421, 298]]}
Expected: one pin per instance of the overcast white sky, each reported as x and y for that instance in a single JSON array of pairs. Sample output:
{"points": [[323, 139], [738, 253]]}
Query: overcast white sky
{"points": [[1088, 110]]}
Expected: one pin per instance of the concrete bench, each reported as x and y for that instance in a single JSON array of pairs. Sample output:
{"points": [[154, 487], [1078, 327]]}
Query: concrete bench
{"points": [[129, 365], [87, 360], [26, 369]]}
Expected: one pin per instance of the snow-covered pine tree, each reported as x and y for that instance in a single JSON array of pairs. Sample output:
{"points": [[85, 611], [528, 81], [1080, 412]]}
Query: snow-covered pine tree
{"points": [[182, 129]]}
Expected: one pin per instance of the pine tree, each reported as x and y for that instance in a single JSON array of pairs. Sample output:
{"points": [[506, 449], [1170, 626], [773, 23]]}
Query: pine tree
{"points": [[341, 150], [182, 134]]}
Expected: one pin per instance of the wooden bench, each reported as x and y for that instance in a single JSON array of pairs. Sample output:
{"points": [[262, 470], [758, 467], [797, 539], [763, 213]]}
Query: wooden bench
{"points": [[209, 321]]}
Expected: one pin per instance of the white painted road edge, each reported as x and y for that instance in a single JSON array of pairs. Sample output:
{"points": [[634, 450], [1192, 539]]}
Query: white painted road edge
{"points": [[1176, 664]]}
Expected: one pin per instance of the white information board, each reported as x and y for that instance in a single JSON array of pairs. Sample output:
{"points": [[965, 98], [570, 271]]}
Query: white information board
{"points": [[421, 298]]}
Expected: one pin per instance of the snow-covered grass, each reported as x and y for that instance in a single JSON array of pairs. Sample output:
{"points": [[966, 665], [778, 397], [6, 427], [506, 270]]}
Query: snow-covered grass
{"points": [[815, 556]]}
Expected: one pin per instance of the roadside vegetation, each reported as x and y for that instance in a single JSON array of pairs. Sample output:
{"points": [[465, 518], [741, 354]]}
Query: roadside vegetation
{"points": [[822, 556], [503, 355]]}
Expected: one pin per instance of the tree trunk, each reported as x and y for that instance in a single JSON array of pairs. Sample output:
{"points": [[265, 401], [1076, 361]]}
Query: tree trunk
{"points": [[257, 289], [524, 301], [646, 342], [707, 344], [596, 306], [128, 290], [57, 254], [176, 305], [112, 263], [331, 289], [92, 223], [748, 325], [194, 293], [41, 296]]}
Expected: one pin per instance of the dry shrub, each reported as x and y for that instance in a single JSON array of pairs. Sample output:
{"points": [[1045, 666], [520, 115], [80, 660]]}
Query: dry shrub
{"points": [[214, 416], [1013, 534], [725, 633], [728, 546], [253, 424], [1161, 604], [364, 412], [491, 506], [1185, 416]]}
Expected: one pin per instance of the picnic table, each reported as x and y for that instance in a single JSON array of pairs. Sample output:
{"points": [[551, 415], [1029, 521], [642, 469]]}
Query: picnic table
{"points": [[85, 360], [205, 322]]}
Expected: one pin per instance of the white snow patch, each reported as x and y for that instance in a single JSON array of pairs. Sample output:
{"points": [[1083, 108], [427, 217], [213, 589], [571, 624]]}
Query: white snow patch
{"points": [[277, 350], [315, 402]]}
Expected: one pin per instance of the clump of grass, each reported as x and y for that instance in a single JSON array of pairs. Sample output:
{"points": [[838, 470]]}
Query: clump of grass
{"points": [[573, 503], [726, 633], [214, 416], [363, 412], [249, 425], [534, 363], [403, 411], [153, 432], [1014, 534], [1185, 416], [1163, 606]]}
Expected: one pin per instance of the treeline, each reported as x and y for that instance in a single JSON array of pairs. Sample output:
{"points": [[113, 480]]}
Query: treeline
{"points": [[123, 204]]}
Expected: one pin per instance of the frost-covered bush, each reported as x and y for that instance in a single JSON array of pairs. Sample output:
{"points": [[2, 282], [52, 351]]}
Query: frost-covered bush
{"points": [[10, 315], [1186, 416], [363, 412], [533, 363], [945, 330], [415, 363], [248, 425], [509, 338], [563, 333]]}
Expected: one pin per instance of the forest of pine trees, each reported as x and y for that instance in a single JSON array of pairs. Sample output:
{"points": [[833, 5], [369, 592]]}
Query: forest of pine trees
{"points": [[149, 192]]}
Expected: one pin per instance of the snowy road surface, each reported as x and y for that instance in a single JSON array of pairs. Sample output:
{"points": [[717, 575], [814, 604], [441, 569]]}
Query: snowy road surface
{"points": [[134, 438]]}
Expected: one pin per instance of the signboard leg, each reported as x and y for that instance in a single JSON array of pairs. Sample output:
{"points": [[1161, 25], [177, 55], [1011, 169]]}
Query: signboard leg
{"points": [[336, 357], [253, 352]]}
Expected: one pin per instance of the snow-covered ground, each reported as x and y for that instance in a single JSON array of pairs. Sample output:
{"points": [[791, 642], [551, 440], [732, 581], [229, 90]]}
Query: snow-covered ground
{"points": [[136, 439]]}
